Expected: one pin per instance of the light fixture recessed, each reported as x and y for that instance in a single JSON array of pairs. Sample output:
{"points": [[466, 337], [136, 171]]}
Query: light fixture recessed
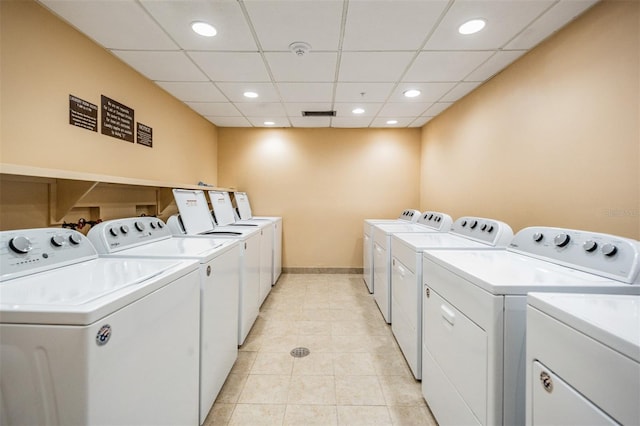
{"points": [[203, 29], [472, 26], [411, 93], [250, 94], [392, 121], [269, 123], [358, 111]]}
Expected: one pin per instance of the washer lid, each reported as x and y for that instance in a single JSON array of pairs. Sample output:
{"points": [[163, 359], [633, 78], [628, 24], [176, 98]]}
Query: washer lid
{"points": [[505, 272], [204, 249], [391, 228], [437, 240], [83, 293], [613, 320]]}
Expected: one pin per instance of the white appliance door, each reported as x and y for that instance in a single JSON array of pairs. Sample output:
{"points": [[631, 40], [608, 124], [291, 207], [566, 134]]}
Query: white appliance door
{"points": [[266, 261], [381, 280], [249, 285], [367, 264], [277, 251]]}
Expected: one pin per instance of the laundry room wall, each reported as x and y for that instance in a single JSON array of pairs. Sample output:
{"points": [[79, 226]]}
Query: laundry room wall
{"points": [[324, 183], [554, 139], [44, 60]]}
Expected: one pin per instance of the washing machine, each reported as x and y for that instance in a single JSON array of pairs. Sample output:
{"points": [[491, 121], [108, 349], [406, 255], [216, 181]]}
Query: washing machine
{"points": [[474, 233], [244, 213], [474, 314], [408, 215], [224, 216], [195, 221], [428, 222], [95, 341], [583, 359], [219, 272]]}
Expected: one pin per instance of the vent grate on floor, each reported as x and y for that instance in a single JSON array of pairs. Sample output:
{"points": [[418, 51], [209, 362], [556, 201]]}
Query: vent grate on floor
{"points": [[299, 352]]}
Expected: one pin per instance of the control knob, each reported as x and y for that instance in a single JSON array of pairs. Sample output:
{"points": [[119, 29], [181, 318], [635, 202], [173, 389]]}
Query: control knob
{"points": [[160, 225], [490, 228], [139, 226], [464, 223], [57, 240], [537, 237], [124, 229], [561, 240], [113, 231], [590, 246], [75, 239], [20, 245], [484, 227], [609, 249], [473, 224], [153, 225]]}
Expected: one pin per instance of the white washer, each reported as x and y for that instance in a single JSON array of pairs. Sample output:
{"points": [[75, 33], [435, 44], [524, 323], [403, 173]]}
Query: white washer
{"points": [[467, 232], [95, 341], [224, 216], [583, 359], [244, 213], [428, 222], [219, 271], [195, 221], [474, 305], [408, 215]]}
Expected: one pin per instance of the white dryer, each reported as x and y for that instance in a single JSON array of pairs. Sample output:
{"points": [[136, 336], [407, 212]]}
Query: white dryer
{"points": [[195, 221], [583, 359], [244, 213], [95, 341], [471, 233], [428, 222], [474, 310], [408, 215], [219, 271]]}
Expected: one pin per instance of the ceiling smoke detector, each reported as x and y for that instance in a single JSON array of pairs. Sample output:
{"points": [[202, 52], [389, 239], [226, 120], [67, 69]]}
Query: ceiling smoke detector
{"points": [[300, 48]]}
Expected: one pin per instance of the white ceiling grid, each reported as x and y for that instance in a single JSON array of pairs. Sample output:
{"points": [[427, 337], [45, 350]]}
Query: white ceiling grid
{"points": [[364, 53]]}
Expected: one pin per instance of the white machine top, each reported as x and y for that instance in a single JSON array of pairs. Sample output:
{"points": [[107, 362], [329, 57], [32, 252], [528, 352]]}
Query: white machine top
{"points": [[428, 222], [549, 259], [408, 215], [242, 203], [47, 279], [613, 320], [222, 207], [150, 237]]}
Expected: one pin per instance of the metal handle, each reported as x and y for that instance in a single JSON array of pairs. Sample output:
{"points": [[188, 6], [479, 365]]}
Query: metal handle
{"points": [[448, 314]]}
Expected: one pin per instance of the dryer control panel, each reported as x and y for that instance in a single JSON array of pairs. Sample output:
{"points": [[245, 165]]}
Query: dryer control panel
{"points": [[119, 234], [601, 254], [492, 232], [436, 220], [28, 251]]}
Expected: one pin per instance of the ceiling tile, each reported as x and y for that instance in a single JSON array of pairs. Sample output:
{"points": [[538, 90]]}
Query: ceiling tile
{"points": [[226, 16], [221, 109], [556, 17], [382, 122], [504, 20], [261, 109], [193, 92], [306, 92], [494, 65], [373, 66], [367, 92], [310, 121], [229, 121], [314, 66], [162, 66], [231, 66], [127, 26], [280, 23], [404, 109], [345, 109], [294, 109], [445, 66], [278, 121], [234, 91], [431, 92], [462, 89], [370, 23], [350, 122]]}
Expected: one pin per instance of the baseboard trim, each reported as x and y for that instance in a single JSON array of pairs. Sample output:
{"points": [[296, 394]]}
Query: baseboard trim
{"points": [[322, 270]]}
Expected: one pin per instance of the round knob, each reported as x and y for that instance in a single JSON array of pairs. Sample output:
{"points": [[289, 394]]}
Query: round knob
{"points": [[537, 237], [561, 240], [139, 226], [124, 229], [20, 245], [57, 240], [153, 225], [113, 231], [75, 239], [160, 225], [473, 224], [609, 249], [490, 228], [464, 223], [590, 246], [484, 227]]}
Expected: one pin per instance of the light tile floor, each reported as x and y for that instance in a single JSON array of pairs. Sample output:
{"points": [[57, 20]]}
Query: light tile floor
{"points": [[355, 373]]}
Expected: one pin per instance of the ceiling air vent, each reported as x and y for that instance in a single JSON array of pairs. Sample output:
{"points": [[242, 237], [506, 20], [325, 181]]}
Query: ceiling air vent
{"points": [[318, 113]]}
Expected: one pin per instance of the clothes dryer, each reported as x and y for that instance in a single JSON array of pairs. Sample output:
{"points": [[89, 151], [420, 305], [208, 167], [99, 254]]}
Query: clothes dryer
{"points": [[408, 215], [219, 272], [428, 222], [195, 221], [472, 233], [474, 314], [95, 341], [583, 359]]}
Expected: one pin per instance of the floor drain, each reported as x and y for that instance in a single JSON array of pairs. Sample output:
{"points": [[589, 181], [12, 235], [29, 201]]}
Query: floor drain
{"points": [[299, 352]]}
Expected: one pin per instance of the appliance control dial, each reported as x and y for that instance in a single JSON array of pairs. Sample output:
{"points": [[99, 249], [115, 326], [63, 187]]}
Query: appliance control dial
{"points": [[113, 231], [124, 229], [139, 226], [153, 225], [160, 225], [464, 223], [590, 246], [490, 228], [537, 237], [484, 227], [561, 240], [75, 239], [473, 224], [609, 249], [20, 245], [57, 240]]}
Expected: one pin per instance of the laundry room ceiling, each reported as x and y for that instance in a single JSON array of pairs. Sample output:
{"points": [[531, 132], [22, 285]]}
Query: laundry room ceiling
{"points": [[318, 55]]}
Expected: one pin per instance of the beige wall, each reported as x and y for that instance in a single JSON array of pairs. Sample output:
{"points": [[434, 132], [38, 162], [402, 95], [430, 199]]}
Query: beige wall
{"points": [[323, 182], [44, 61], [554, 139]]}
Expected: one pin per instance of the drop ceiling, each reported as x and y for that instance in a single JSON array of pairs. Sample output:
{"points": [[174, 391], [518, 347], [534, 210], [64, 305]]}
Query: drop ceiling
{"points": [[363, 53]]}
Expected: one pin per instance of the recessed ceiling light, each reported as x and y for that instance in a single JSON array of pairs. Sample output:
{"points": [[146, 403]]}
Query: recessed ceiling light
{"points": [[358, 111], [472, 26], [203, 29], [392, 121], [250, 94], [269, 123], [411, 93]]}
